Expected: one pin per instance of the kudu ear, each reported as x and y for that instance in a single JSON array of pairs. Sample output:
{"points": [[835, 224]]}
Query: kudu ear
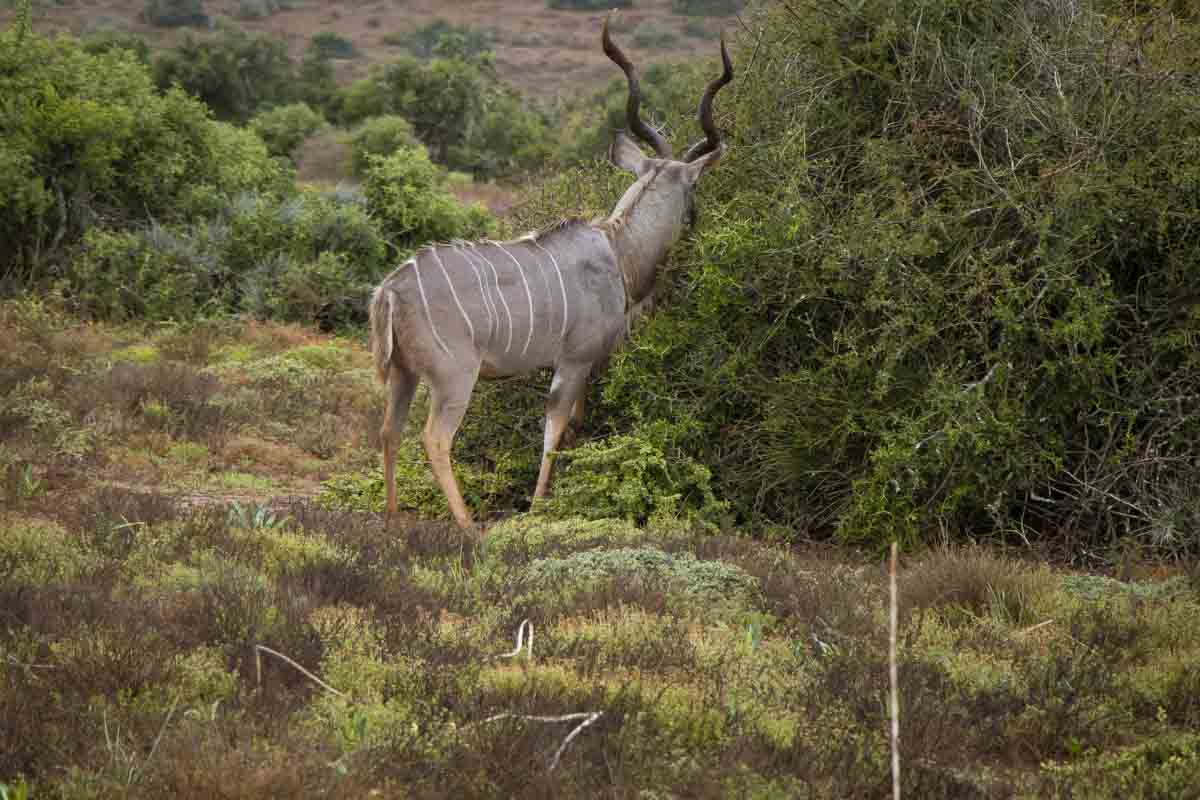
{"points": [[696, 168], [627, 155]]}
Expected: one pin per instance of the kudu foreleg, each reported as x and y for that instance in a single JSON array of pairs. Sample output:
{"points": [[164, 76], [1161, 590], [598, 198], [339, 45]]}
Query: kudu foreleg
{"points": [[447, 405], [566, 396]]}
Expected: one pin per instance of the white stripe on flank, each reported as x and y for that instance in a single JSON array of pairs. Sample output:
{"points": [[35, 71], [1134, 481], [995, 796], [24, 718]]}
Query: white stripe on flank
{"points": [[528, 295], [470, 328], [561, 285], [499, 291], [484, 294], [546, 283], [425, 302]]}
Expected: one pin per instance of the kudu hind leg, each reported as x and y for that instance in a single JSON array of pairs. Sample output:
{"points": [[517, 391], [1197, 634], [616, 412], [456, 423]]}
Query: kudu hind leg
{"points": [[401, 386], [574, 424], [447, 405], [566, 396]]}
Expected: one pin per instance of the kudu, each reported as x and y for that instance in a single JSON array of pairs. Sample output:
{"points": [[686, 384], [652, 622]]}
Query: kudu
{"points": [[461, 311]]}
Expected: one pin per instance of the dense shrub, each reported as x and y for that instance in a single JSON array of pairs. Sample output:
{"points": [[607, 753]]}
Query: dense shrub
{"points": [[255, 9], [706, 7], [104, 40], [333, 45], [468, 119], [175, 13], [949, 285], [441, 38], [235, 75], [316, 82], [284, 258], [86, 137], [628, 477], [380, 136], [283, 128], [405, 192]]}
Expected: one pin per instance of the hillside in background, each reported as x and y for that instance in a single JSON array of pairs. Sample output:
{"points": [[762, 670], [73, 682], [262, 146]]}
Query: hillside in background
{"points": [[542, 51]]}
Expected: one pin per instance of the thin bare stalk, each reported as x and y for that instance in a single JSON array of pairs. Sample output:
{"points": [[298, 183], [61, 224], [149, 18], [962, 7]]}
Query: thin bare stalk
{"points": [[895, 675], [134, 774]]}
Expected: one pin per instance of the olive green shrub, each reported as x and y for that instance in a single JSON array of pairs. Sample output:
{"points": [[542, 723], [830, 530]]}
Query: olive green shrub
{"points": [[630, 477], [943, 279], [380, 136], [284, 128], [706, 7], [406, 192], [301, 257], [175, 13], [86, 137], [469, 119], [235, 75]]}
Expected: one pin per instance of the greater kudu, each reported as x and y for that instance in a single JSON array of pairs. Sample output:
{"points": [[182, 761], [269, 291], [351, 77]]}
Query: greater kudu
{"points": [[461, 311]]}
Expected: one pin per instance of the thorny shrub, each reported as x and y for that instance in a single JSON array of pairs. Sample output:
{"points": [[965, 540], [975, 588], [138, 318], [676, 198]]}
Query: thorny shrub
{"points": [[943, 279]]}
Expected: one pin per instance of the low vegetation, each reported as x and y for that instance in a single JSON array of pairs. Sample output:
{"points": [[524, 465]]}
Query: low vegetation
{"points": [[193, 604]]}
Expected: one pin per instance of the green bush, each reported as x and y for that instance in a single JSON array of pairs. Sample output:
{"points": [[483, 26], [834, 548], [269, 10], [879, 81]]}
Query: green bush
{"points": [[707, 7], [1162, 767], [152, 274], [631, 478], [104, 40], [468, 119], [441, 38], [33, 553], [380, 136], [284, 128], [235, 75], [316, 82], [928, 301], [405, 193], [303, 257], [333, 45], [87, 137], [175, 13]]}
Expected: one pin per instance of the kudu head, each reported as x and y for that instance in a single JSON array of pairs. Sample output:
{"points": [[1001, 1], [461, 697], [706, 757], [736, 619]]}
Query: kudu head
{"points": [[665, 187]]}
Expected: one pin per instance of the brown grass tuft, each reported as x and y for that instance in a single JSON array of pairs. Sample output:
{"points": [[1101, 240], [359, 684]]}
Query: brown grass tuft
{"points": [[978, 582], [172, 397]]}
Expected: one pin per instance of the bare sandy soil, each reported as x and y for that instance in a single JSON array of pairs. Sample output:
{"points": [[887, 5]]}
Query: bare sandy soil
{"points": [[542, 51]]}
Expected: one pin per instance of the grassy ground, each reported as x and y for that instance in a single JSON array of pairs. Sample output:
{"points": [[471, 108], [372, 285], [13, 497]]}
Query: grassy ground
{"points": [[180, 616]]}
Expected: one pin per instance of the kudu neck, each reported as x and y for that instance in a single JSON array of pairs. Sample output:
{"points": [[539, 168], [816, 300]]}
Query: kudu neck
{"points": [[643, 232]]}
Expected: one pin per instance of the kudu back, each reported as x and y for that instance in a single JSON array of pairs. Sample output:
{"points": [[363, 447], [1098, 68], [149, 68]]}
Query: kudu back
{"points": [[557, 298]]}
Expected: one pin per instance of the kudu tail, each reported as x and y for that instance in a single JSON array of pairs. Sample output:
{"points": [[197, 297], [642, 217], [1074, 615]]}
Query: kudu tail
{"points": [[382, 337]]}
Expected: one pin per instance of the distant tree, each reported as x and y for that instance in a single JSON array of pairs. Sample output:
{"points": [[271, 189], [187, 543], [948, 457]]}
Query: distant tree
{"points": [[175, 13], [235, 75]]}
